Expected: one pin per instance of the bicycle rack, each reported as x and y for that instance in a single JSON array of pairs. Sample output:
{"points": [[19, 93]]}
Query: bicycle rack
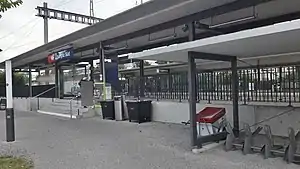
{"points": [[270, 149], [291, 155], [245, 142]]}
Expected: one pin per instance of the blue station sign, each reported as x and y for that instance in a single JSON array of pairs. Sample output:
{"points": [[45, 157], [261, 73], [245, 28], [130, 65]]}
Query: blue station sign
{"points": [[65, 54]]}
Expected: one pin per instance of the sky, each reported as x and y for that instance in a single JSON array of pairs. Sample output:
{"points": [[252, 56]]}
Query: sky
{"points": [[21, 30]]}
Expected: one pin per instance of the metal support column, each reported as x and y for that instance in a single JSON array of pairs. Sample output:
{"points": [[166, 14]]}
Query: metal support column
{"points": [[192, 88], [102, 65], [10, 120], [85, 71], [61, 82], [170, 85], [56, 81], [30, 86], [192, 99], [30, 81], [192, 31], [39, 75], [142, 81], [235, 96], [91, 70]]}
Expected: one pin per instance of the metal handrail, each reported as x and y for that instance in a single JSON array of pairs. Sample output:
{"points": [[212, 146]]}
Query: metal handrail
{"points": [[71, 109], [40, 94], [46, 91]]}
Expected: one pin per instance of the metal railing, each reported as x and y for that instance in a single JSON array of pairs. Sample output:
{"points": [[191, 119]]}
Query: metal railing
{"points": [[71, 106], [38, 97], [278, 83]]}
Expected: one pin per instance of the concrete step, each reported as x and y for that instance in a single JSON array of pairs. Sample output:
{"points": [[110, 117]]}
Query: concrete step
{"points": [[61, 111], [84, 114], [66, 101], [65, 110], [61, 104], [62, 107], [58, 114]]}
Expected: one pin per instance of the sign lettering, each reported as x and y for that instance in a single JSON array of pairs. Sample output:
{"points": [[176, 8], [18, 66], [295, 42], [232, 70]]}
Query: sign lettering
{"points": [[61, 55]]}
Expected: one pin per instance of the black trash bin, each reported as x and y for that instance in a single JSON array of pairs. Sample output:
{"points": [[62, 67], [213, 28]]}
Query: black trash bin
{"points": [[139, 110], [108, 109]]}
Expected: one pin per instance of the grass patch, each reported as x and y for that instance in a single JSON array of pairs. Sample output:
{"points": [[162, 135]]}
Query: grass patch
{"points": [[15, 163]]}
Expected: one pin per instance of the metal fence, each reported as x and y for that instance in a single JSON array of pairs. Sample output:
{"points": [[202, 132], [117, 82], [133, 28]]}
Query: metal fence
{"points": [[256, 84]]}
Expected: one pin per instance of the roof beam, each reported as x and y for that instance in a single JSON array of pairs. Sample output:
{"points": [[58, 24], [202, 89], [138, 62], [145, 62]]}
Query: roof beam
{"points": [[233, 6], [225, 30], [202, 26], [205, 27], [210, 56]]}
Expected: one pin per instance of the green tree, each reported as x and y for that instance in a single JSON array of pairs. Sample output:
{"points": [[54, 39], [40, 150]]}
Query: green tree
{"points": [[19, 79], [7, 4]]}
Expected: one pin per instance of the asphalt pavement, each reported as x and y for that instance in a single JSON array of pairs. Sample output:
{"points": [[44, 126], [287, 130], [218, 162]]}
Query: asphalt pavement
{"points": [[60, 143]]}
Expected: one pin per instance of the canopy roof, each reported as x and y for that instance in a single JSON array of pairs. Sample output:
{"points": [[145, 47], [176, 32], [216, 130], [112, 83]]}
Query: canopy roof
{"points": [[159, 23], [260, 43]]}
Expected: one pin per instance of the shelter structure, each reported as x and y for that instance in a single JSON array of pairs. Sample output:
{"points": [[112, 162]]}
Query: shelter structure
{"points": [[202, 32]]}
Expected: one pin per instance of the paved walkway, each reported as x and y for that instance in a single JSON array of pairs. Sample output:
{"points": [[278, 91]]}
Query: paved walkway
{"points": [[57, 143]]}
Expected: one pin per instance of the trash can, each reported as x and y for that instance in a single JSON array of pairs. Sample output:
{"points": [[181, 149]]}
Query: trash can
{"points": [[118, 108], [108, 109], [139, 110]]}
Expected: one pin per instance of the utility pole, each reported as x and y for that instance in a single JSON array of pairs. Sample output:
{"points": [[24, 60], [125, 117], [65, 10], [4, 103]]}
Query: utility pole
{"points": [[136, 2], [92, 14], [46, 14], [46, 33], [49, 13]]}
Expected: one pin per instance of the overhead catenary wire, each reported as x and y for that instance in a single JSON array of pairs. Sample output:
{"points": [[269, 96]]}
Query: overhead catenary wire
{"points": [[25, 36], [61, 3], [18, 29], [99, 1], [24, 44]]}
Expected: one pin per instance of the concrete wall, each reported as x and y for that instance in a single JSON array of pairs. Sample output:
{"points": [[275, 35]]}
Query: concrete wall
{"points": [[21, 104], [175, 112], [279, 125], [27, 104]]}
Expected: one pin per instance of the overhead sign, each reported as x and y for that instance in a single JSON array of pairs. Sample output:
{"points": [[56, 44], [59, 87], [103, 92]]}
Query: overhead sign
{"points": [[112, 75], [162, 71], [65, 54]]}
